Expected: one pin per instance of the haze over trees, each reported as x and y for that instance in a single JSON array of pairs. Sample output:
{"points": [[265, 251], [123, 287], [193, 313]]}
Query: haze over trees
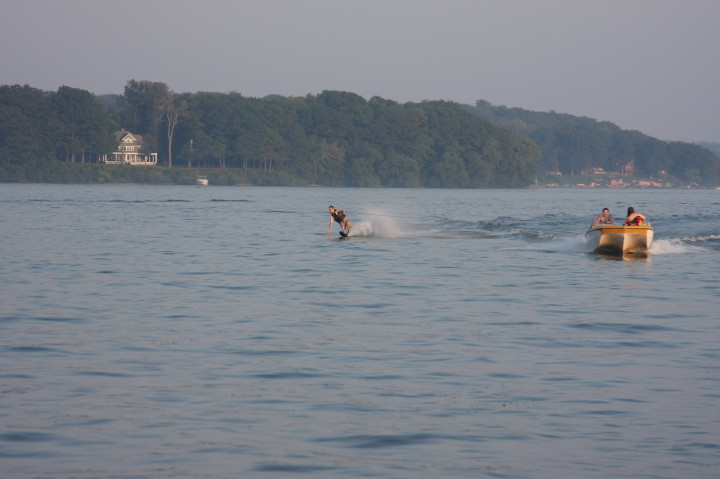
{"points": [[334, 138], [570, 144]]}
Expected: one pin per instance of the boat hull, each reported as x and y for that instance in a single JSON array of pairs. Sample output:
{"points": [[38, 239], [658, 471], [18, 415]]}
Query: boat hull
{"points": [[616, 239]]}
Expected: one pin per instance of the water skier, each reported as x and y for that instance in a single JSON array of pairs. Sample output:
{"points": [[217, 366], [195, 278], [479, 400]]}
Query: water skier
{"points": [[340, 217]]}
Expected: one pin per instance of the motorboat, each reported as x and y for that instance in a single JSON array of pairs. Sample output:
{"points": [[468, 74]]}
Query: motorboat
{"points": [[202, 181], [620, 239]]}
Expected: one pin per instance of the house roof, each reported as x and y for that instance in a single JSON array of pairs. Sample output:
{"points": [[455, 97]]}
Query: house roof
{"points": [[121, 134]]}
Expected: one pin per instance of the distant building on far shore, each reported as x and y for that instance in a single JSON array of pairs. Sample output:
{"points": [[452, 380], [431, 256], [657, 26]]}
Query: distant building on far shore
{"points": [[131, 151]]}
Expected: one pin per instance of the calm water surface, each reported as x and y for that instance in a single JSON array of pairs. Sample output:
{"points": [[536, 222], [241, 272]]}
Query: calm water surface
{"points": [[218, 332]]}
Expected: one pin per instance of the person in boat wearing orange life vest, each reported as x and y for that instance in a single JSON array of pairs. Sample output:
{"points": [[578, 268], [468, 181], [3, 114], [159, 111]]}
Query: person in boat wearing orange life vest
{"points": [[341, 218], [605, 218], [633, 218]]}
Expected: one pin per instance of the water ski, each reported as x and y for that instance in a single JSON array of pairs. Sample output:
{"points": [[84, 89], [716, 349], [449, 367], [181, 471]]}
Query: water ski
{"points": [[343, 234]]}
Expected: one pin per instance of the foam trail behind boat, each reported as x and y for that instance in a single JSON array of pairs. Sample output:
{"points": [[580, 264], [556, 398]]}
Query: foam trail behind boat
{"points": [[568, 245], [674, 246]]}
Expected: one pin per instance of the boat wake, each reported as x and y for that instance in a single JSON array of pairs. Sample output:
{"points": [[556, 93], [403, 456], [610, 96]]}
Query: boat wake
{"points": [[576, 244], [676, 246], [381, 225], [393, 227], [701, 239]]}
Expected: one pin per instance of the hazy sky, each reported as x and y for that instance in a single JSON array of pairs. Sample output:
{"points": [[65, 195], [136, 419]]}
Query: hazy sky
{"points": [[648, 65]]}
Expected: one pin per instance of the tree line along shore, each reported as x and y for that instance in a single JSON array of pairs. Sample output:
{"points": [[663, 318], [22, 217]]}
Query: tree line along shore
{"points": [[333, 138]]}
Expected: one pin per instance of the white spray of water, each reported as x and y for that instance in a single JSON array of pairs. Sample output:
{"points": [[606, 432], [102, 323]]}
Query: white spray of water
{"points": [[700, 239], [381, 226], [674, 246]]}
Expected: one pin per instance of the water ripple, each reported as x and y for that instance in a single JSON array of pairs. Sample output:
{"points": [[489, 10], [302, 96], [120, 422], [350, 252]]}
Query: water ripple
{"points": [[157, 338], [382, 440]]}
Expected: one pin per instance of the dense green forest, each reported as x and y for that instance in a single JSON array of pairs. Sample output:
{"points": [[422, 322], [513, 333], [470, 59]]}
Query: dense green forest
{"points": [[334, 138]]}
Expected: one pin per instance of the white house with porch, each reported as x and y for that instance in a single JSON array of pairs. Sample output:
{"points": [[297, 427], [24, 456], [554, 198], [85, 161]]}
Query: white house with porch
{"points": [[131, 151]]}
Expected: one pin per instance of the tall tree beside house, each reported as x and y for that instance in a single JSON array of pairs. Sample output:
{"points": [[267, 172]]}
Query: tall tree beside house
{"points": [[175, 108], [145, 108], [86, 125]]}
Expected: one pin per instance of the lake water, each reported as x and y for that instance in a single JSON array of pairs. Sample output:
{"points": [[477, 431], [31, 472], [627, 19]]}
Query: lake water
{"points": [[218, 332]]}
